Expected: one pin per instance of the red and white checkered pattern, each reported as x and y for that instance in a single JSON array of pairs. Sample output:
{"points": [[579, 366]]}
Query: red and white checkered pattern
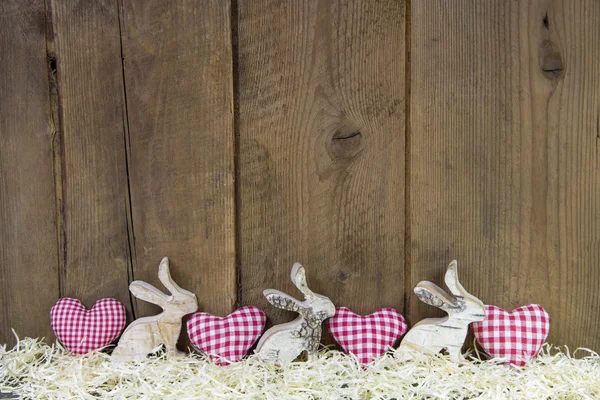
{"points": [[82, 331], [226, 339], [367, 337], [516, 336]]}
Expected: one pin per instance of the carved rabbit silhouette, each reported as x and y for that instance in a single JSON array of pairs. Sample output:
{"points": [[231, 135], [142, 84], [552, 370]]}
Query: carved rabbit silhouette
{"points": [[433, 335], [283, 343], [146, 335]]}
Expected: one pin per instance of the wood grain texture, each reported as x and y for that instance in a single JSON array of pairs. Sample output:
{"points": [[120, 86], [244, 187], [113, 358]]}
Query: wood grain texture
{"points": [[432, 336], [93, 194], [178, 70], [321, 155], [283, 343], [28, 262], [145, 335], [505, 152]]}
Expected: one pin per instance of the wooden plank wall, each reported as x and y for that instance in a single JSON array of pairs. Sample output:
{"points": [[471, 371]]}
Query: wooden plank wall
{"points": [[373, 142], [28, 244], [91, 173], [178, 71], [321, 157], [505, 161]]}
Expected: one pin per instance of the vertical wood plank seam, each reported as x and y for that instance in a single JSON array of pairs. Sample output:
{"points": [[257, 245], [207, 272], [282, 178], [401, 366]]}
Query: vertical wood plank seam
{"points": [[57, 147], [597, 133], [236, 148], [407, 154], [127, 144]]}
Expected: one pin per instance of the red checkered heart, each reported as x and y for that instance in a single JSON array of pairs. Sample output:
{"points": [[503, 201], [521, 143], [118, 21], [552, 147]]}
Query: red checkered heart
{"points": [[516, 336], [367, 337], [82, 331], [226, 339]]}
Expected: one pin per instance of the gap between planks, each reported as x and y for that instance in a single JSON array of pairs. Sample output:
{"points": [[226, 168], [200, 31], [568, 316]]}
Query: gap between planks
{"points": [[407, 154], [57, 144], [127, 143], [234, 19]]}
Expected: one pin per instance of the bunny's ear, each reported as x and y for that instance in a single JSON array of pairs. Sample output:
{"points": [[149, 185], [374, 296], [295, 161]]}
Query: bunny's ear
{"points": [[451, 280], [432, 294], [282, 300], [164, 274], [147, 292], [299, 278]]}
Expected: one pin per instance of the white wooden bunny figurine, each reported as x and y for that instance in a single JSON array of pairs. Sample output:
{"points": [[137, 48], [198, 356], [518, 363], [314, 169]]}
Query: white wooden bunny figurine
{"points": [[284, 343], [146, 335], [433, 335]]}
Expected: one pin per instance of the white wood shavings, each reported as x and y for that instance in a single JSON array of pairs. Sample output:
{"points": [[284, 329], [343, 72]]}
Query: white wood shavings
{"points": [[33, 369]]}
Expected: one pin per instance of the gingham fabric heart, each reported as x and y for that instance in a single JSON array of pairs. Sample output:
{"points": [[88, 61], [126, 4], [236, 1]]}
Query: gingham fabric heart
{"points": [[367, 337], [82, 331], [516, 336], [226, 339]]}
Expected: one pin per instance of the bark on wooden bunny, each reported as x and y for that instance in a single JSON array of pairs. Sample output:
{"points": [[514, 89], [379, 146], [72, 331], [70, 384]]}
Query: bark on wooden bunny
{"points": [[146, 335], [284, 343], [433, 335]]}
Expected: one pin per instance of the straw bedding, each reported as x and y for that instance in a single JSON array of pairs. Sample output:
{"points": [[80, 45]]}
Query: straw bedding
{"points": [[33, 369]]}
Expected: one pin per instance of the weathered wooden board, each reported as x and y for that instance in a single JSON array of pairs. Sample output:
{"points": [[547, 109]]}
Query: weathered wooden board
{"points": [[503, 153], [321, 153], [28, 263], [505, 156], [179, 83], [93, 194]]}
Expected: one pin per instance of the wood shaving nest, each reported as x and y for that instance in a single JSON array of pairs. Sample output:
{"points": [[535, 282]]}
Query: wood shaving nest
{"points": [[33, 369]]}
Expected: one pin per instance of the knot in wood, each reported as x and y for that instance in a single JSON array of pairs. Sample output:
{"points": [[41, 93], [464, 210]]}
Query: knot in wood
{"points": [[342, 276], [345, 143], [550, 60]]}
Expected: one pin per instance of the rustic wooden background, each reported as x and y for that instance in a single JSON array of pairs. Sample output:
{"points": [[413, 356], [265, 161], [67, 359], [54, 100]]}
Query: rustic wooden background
{"points": [[373, 141]]}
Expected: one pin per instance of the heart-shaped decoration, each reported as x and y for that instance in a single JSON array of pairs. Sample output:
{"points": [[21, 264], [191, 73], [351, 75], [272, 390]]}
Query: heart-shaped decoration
{"points": [[82, 331], [227, 339], [369, 336], [516, 336]]}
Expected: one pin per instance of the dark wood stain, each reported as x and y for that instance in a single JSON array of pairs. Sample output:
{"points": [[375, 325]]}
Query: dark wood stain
{"points": [[373, 142], [318, 81], [28, 252], [92, 174], [177, 66], [503, 175]]}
